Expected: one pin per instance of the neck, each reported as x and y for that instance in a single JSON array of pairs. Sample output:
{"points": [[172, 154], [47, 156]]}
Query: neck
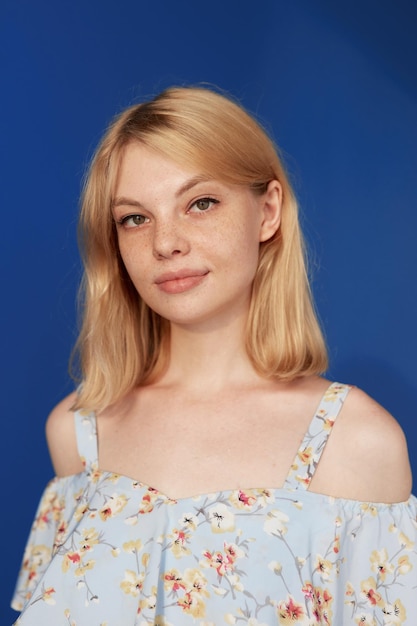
{"points": [[209, 358]]}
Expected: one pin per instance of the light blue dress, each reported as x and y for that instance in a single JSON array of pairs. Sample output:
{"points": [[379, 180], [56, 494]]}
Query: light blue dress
{"points": [[106, 550]]}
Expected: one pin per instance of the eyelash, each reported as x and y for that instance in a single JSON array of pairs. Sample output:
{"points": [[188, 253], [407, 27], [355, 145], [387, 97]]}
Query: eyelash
{"points": [[205, 199], [123, 221]]}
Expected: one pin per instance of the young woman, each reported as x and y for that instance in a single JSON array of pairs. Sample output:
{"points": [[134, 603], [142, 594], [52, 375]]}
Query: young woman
{"points": [[206, 472]]}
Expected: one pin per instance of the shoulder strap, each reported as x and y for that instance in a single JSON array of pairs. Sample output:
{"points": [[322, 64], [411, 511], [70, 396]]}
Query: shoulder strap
{"points": [[86, 433], [309, 453]]}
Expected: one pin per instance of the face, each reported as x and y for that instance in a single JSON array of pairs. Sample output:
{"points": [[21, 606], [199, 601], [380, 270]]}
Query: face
{"points": [[189, 244]]}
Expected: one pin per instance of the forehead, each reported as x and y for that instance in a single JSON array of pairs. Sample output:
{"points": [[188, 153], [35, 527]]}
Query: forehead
{"points": [[141, 167]]}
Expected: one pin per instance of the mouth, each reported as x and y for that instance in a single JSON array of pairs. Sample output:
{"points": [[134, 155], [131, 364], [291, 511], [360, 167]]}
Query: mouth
{"points": [[178, 282]]}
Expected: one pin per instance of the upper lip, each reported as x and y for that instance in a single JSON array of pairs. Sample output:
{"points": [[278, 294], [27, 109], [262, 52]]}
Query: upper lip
{"points": [[185, 273]]}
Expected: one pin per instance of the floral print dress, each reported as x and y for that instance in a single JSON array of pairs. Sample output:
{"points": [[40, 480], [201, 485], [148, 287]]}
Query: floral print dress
{"points": [[106, 550]]}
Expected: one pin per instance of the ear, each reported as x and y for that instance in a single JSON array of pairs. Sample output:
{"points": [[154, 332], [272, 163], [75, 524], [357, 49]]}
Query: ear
{"points": [[271, 208]]}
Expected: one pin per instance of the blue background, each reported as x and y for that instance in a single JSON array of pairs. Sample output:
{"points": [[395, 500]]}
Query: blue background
{"points": [[335, 83]]}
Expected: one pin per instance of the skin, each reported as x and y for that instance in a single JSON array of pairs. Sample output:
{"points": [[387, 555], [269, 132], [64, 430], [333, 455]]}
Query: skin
{"points": [[211, 422]]}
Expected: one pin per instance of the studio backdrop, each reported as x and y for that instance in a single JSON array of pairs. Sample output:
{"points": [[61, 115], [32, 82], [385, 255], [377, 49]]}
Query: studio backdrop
{"points": [[333, 83]]}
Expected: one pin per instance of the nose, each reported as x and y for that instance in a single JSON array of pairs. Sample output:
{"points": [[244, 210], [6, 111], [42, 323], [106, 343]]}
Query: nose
{"points": [[169, 239]]}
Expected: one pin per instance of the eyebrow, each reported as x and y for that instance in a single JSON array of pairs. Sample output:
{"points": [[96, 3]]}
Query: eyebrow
{"points": [[189, 184]]}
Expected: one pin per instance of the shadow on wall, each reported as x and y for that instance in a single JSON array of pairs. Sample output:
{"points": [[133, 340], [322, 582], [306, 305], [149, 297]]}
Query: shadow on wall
{"points": [[389, 387]]}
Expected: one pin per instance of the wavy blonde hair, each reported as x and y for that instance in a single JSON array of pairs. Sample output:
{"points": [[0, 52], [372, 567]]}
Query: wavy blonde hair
{"points": [[122, 342]]}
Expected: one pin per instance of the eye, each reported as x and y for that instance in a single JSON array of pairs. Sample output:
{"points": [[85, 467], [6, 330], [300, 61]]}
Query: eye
{"points": [[131, 221], [203, 204]]}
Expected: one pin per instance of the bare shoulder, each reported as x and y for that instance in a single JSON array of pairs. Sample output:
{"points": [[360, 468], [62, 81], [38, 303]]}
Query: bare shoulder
{"points": [[367, 453], [60, 435]]}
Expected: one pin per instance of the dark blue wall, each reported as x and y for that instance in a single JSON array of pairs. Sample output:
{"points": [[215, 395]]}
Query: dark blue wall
{"points": [[336, 85]]}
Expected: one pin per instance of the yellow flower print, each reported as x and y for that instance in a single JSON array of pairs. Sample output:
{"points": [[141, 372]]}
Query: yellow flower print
{"points": [[114, 505], [275, 567], [394, 614], [149, 602], [290, 612], [304, 480], [321, 600], [217, 561], [380, 563], [148, 501], [276, 523], [70, 558], [350, 594], [404, 565], [369, 592], [243, 499], [60, 534], [333, 393], [223, 562], [233, 552], [328, 424], [173, 581], [132, 583], [83, 567], [90, 538], [221, 519], [306, 455], [350, 591], [179, 546], [133, 546], [47, 595], [188, 520], [364, 619], [264, 496], [324, 566], [35, 557], [193, 605], [322, 603], [80, 512], [95, 473], [195, 582], [369, 509], [50, 509], [405, 542], [67, 615]]}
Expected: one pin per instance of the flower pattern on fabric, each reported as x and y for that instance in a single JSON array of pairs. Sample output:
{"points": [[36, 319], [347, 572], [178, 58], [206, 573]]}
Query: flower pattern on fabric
{"points": [[105, 550]]}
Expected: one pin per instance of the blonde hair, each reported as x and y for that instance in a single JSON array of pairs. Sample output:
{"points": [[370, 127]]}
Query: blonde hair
{"points": [[122, 342]]}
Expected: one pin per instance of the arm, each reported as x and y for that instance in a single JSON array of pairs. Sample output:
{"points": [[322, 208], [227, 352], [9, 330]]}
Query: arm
{"points": [[366, 457], [60, 435]]}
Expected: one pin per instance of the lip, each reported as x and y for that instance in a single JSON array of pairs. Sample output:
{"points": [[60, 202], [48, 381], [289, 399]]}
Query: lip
{"points": [[180, 281]]}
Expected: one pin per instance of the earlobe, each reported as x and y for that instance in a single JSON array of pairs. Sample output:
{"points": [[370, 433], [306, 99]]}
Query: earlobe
{"points": [[272, 201]]}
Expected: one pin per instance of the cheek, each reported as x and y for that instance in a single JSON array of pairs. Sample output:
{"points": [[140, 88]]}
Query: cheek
{"points": [[244, 246], [133, 257]]}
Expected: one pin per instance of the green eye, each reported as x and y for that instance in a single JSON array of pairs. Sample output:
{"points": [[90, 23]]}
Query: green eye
{"points": [[133, 220], [203, 204], [137, 220]]}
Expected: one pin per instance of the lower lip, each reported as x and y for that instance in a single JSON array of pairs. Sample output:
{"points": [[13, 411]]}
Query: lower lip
{"points": [[179, 285]]}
